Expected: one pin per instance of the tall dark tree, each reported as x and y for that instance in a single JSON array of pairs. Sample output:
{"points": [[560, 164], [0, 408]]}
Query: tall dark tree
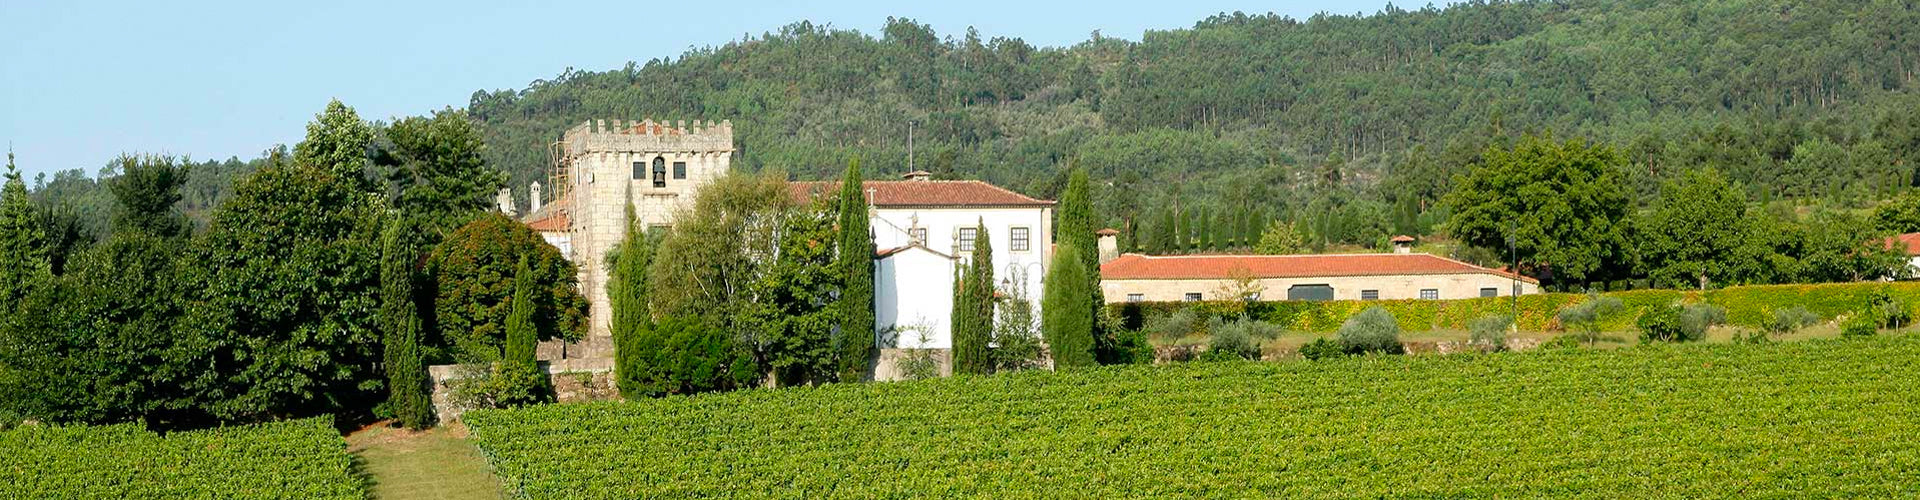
{"points": [[407, 382], [972, 320], [1065, 324], [855, 339], [522, 380], [632, 320], [23, 252]]}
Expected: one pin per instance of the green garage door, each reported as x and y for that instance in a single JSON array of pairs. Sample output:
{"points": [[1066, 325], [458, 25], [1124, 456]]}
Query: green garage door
{"points": [[1310, 292]]}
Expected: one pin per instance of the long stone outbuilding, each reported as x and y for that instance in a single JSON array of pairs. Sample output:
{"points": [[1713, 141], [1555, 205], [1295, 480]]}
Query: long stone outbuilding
{"points": [[1376, 276]]}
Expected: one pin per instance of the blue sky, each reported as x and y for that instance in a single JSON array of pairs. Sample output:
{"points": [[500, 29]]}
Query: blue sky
{"points": [[86, 81]]}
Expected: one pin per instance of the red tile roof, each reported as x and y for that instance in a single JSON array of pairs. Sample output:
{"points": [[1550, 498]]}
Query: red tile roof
{"points": [[1144, 267], [1909, 243], [925, 194], [557, 222]]}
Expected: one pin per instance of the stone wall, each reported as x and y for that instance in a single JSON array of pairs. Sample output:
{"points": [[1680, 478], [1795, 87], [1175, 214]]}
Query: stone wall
{"points": [[573, 380]]}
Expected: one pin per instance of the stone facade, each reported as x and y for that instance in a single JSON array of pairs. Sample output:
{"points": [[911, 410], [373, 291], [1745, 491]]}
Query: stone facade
{"points": [[657, 167], [1386, 287]]}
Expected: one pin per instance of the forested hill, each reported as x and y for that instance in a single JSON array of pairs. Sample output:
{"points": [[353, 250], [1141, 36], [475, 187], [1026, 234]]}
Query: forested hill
{"points": [[1791, 98]]}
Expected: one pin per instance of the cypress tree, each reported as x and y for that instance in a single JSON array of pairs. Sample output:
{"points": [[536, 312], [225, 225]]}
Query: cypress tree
{"points": [[23, 249], [627, 295], [523, 382], [1064, 322], [400, 320], [856, 268], [1205, 234], [974, 324], [1077, 227]]}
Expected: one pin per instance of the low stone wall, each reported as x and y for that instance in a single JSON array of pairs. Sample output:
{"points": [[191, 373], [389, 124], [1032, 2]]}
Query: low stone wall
{"points": [[888, 365], [575, 379], [1181, 353]]}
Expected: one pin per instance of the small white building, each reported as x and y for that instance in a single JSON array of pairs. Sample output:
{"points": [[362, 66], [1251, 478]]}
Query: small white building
{"points": [[1373, 276], [922, 227]]}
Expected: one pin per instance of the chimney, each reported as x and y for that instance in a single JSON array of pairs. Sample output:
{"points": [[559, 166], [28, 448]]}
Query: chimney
{"points": [[1108, 243], [1403, 244], [505, 201], [918, 176], [533, 192]]}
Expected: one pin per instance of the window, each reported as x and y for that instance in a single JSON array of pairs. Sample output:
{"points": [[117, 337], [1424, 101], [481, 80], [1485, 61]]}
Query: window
{"points": [[1136, 297], [679, 170], [1490, 292], [659, 172], [1429, 294], [918, 235], [965, 242], [1019, 235], [1310, 292], [1193, 296], [1369, 295], [639, 170]]}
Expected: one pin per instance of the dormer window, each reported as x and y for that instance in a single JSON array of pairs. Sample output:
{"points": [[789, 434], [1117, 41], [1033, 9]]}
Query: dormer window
{"points": [[659, 172]]}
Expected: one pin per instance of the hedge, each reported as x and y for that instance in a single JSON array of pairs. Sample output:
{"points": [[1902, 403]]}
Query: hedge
{"points": [[1746, 306], [293, 459]]}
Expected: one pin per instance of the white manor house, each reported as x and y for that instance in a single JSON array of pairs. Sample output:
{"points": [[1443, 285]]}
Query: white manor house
{"points": [[921, 226]]}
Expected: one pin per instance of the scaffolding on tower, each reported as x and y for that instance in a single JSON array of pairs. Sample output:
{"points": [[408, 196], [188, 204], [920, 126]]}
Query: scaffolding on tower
{"points": [[559, 172]]}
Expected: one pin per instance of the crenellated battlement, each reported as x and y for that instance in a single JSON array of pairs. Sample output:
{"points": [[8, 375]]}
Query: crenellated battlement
{"points": [[648, 135]]}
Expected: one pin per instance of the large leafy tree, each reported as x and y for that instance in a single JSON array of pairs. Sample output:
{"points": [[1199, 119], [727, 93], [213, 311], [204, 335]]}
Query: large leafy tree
{"points": [[284, 298], [971, 322], [436, 169], [338, 141], [1561, 203], [1693, 237], [795, 304], [473, 268], [855, 262], [1068, 331]]}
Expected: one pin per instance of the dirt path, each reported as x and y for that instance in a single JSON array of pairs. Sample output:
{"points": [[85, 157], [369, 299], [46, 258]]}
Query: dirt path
{"points": [[438, 463]]}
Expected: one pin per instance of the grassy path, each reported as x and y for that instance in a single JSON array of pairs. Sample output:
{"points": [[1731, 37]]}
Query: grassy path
{"points": [[434, 464]]}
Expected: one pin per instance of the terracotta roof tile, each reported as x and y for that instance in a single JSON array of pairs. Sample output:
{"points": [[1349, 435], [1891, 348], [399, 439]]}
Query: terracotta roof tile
{"points": [[924, 193], [1136, 266], [1909, 243], [557, 222]]}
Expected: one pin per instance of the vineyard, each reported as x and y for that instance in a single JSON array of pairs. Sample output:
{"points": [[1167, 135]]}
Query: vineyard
{"points": [[292, 459], [1825, 418]]}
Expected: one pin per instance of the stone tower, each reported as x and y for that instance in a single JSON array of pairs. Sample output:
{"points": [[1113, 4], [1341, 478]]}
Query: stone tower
{"points": [[601, 166]]}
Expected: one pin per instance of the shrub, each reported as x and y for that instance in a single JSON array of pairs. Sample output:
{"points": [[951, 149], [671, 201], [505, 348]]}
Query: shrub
{"points": [[1695, 319], [1371, 331], [1584, 318], [1789, 319], [685, 355], [1176, 324], [1891, 312], [1862, 324], [1750, 336], [1322, 348], [1661, 324], [1489, 333], [1236, 339]]}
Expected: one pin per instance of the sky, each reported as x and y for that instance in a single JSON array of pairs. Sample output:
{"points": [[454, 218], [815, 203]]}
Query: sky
{"points": [[88, 81]]}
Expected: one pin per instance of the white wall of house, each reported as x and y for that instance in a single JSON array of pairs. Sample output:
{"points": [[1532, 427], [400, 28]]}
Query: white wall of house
{"points": [[913, 295], [917, 285]]}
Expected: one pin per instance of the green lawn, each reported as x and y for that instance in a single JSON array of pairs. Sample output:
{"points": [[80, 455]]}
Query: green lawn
{"points": [[439, 463]]}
